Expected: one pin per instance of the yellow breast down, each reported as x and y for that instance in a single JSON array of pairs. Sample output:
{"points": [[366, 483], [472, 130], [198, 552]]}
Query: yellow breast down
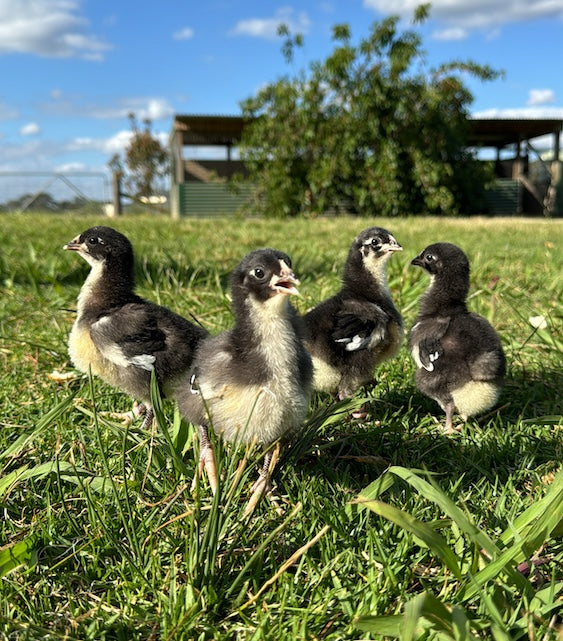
{"points": [[253, 413], [86, 357], [325, 377], [475, 397]]}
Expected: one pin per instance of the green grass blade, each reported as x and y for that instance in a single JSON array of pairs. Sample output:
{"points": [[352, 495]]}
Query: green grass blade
{"points": [[532, 528], [461, 625], [426, 534], [237, 583], [161, 421], [12, 478], [370, 492], [540, 519], [43, 423], [553, 419], [17, 554], [423, 612], [434, 493], [64, 469], [387, 626], [411, 617]]}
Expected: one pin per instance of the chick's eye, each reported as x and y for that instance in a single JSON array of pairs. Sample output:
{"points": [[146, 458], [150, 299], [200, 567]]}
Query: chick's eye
{"points": [[94, 240], [258, 273], [374, 243], [429, 257]]}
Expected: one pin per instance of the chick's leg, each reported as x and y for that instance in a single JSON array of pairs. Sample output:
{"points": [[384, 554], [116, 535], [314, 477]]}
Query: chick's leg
{"points": [[206, 459], [449, 426], [139, 409], [149, 415], [262, 485]]}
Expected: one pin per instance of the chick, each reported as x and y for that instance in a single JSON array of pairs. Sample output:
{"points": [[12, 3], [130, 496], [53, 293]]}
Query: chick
{"points": [[252, 383], [119, 336], [351, 333], [459, 357]]}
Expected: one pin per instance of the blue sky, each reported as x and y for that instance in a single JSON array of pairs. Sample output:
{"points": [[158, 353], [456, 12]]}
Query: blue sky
{"points": [[73, 69]]}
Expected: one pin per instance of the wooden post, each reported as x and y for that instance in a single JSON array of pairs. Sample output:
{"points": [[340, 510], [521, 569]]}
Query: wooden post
{"points": [[552, 201], [116, 195], [177, 172]]}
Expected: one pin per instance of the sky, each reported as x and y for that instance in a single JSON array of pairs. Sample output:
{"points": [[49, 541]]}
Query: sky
{"points": [[72, 70]]}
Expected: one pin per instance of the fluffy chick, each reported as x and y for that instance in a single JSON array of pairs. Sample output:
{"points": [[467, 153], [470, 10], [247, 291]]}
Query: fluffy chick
{"points": [[459, 357], [118, 335], [352, 332], [252, 383]]}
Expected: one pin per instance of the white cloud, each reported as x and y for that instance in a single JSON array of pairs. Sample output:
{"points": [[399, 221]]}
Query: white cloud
{"points": [[85, 153], [541, 97], [112, 145], [151, 108], [31, 129], [156, 109], [183, 34], [143, 108], [50, 28], [478, 14], [268, 27], [115, 144], [70, 167], [453, 33]]}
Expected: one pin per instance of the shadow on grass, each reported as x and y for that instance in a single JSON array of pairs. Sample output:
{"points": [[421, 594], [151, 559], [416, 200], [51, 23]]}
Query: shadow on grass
{"points": [[404, 428]]}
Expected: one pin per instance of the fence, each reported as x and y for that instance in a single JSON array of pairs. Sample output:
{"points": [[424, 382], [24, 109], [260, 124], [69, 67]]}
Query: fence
{"points": [[55, 191]]}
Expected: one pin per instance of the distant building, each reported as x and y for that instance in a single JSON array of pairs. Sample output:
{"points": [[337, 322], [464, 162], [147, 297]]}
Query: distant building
{"points": [[202, 152], [204, 156], [527, 177]]}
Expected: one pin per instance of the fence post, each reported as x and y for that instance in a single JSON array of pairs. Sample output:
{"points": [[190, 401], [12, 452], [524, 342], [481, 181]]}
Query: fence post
{"points": [[116, 194]]}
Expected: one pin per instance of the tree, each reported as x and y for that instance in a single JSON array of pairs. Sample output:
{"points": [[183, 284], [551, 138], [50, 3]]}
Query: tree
{"points": [[146, 160], [368, 129]]}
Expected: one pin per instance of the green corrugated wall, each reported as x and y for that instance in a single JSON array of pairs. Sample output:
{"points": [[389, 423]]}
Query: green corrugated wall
{"points": [[212, 199], [503, 198]]}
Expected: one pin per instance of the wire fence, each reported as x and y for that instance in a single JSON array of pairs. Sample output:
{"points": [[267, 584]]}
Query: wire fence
{"points": [[54, 191]]}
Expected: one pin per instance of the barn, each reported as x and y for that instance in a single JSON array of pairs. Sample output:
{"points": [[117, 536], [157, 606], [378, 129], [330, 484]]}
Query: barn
{"points": [[203, 159]]}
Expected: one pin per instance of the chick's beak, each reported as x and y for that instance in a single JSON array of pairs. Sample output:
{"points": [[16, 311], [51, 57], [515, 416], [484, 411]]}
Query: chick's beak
{"points": [[74, 244], [393, 246], [285, 282], [417, 261]]}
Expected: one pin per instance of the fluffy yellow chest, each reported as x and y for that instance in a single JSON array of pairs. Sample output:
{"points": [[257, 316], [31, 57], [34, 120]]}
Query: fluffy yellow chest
{"points": [[326, 378], [86, 356], [262, 413]]}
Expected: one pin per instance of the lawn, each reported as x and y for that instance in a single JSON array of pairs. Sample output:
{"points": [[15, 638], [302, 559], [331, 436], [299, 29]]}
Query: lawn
{"points": [[389, 527]]}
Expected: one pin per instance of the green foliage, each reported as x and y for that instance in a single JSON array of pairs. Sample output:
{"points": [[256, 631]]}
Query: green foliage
{"points": [[390, 528], [369, 130], [146, 160]]}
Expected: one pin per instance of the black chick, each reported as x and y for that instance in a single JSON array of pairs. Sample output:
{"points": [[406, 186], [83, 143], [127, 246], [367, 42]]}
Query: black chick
{"points": [[459, 357], [118, 335], [252, 383], [352, 332]]}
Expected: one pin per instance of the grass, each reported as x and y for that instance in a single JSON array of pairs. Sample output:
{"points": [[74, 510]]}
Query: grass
{"points": [[390, 528]]}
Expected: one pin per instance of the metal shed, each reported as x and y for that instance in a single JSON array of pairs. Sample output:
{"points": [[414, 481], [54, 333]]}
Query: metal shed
{"points": [[201, 151], [199, 184], [518, 190]]}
